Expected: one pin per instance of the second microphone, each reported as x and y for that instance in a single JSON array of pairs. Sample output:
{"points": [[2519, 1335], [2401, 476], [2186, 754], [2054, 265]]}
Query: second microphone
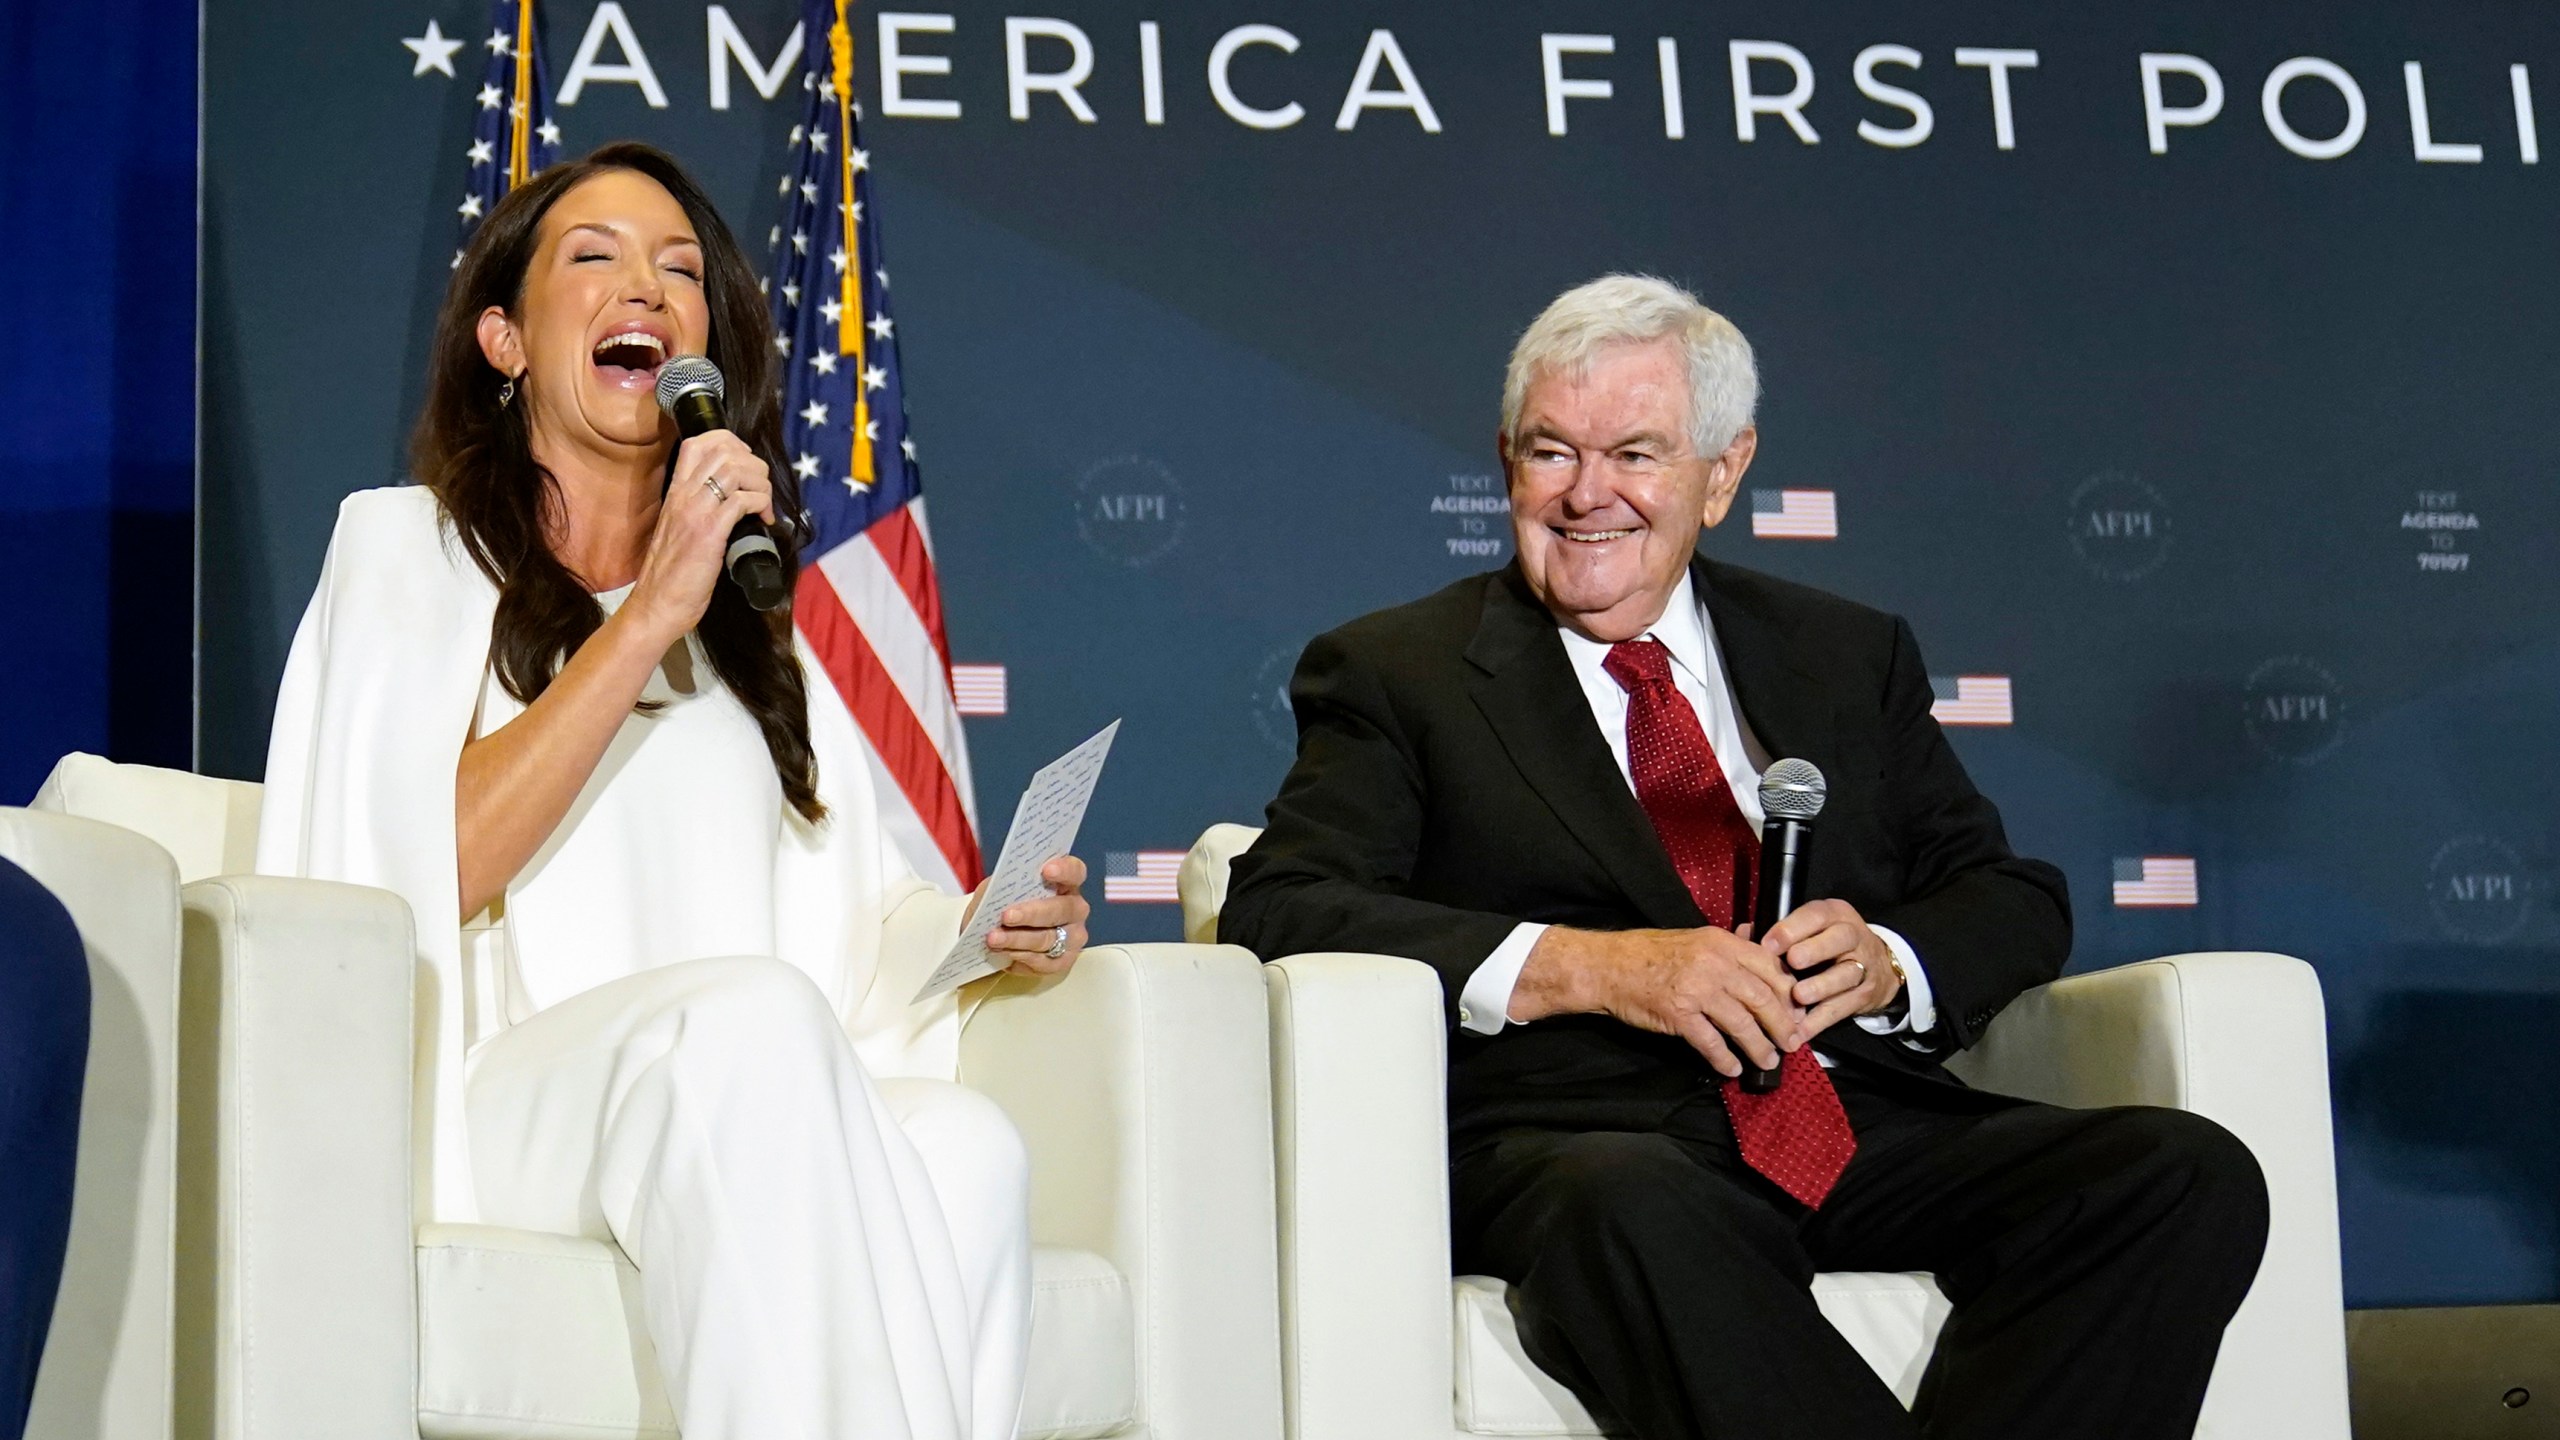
{"points": [[1791, 794]]}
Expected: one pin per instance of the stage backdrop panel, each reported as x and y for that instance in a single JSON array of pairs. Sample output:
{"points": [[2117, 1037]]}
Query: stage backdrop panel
{"points": [[2184, 372]]}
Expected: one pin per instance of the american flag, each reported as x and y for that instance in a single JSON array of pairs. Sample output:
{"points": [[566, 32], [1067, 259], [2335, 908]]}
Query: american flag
{"points": [[1970, 700], [2155, 880], [980, 689], [1794, 515], [512, 135], [1141, 877], [868, 601]]}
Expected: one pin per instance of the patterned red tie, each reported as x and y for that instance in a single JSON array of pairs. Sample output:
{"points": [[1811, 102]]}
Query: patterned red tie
{"points": [[1797, 1135]]}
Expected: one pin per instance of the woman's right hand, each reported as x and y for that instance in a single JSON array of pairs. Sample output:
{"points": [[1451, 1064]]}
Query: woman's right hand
{"points": [[687, 550]]}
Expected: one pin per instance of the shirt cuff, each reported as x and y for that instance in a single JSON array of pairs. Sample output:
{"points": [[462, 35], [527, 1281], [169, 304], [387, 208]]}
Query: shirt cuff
{"points": [[1922, 1016], [1484, 1006]]}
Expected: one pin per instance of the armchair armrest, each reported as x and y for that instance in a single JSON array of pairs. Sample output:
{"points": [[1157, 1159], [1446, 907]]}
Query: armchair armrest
{"points": [[1141, 1081], [296, 1307], [2241, 1038], [1360, 1078], [106, 1371]]}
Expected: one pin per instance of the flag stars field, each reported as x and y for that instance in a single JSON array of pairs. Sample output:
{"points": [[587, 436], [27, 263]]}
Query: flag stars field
{"points": [[512, 137]]}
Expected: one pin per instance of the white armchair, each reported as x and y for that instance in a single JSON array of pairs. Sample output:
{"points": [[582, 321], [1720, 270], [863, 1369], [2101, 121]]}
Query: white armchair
{"points": [[309, 1304], [1380, 1342]]}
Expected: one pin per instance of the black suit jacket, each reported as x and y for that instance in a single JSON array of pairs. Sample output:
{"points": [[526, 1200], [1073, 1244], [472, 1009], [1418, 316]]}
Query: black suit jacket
{"points": [[1450, 784]]}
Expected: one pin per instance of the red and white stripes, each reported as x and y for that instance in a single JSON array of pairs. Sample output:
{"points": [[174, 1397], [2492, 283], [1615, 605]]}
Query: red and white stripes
{"points": [[872, 611]]}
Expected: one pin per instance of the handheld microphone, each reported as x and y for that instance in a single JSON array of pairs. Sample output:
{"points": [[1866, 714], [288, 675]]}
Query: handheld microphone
{"points": [[690, 390], [1791, 794]]}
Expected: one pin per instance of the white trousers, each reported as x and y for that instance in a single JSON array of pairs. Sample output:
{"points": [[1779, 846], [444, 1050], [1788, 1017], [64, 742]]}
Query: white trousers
{"points": [[822, 1255]]}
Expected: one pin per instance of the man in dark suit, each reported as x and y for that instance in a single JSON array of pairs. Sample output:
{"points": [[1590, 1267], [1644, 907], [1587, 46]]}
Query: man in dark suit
{"points": [[1543, 782]]}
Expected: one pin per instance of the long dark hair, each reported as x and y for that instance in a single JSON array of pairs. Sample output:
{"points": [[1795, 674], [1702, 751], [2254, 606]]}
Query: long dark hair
{"points": [[476, 454]]}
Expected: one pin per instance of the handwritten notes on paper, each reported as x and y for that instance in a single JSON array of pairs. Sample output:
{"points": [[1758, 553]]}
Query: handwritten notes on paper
{"points": [[1044, 827]]}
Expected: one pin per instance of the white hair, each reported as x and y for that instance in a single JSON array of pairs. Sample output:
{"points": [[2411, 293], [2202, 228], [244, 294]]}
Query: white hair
{"points": [[1724, 382]]}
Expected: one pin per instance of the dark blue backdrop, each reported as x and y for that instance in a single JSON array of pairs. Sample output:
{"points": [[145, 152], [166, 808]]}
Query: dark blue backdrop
{"points": [[97, 437], [2233, 460]]}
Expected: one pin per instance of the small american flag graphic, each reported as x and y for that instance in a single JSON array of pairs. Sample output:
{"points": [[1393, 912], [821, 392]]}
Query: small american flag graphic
{"points": [[1794, 515], [1141, 877], [1971, 700], [978, 689], [2154, 881]]}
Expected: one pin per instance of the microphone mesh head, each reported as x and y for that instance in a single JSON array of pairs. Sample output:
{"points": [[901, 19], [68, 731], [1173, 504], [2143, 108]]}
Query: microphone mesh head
{"points": [[686, 374], [1793, 790]]}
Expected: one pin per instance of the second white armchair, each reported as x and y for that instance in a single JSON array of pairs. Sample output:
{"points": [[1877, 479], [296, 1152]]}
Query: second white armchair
{"points": [[1381, 1342]]}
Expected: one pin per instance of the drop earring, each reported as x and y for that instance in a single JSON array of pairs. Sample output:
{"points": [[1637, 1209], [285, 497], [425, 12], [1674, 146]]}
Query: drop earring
{"points": [[507, 393]]}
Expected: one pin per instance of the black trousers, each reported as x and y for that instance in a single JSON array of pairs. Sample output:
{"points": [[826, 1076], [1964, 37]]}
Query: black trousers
{"points": [[2092, 1258]]}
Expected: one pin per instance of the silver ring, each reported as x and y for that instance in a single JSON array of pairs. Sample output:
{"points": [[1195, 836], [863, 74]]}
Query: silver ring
{"points": [[1058, 946], [712, 482]]}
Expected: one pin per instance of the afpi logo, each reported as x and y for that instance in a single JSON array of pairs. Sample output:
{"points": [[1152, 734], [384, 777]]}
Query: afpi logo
{"points": [[2293, 709], [1129, 509], [2478, 889], [2119, 526], [1273, 717]]}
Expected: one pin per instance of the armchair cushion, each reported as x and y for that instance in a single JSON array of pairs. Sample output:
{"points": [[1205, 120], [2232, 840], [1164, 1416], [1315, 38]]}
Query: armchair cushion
{"points": [[539, 1337], [1892, 1321], [1499, 1390], [209, 826]]}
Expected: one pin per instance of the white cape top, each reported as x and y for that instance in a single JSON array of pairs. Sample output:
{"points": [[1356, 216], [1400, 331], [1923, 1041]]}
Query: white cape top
{"points": [[680, 846]]}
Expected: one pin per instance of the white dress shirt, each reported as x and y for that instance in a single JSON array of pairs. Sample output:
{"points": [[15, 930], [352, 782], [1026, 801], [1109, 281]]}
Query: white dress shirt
{"points": [[1697, 668]]}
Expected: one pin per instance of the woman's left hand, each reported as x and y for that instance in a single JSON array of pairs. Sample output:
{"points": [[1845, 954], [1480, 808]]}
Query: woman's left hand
{"points": [[1045, 936]]}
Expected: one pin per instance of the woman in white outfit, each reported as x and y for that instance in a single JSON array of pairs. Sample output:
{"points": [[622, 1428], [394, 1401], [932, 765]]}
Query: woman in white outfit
{"points": [[669, 954]]}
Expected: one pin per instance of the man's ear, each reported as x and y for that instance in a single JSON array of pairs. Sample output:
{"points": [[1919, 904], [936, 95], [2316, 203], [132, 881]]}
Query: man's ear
{"points": [[1724, 474], [500, 344]]}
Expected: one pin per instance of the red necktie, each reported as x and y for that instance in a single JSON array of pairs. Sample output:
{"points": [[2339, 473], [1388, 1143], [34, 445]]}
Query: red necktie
{"points": [[1797, 1135]]}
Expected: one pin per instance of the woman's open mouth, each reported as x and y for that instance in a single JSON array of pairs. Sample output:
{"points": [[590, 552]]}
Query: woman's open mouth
{"points": [[629, 359]]}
